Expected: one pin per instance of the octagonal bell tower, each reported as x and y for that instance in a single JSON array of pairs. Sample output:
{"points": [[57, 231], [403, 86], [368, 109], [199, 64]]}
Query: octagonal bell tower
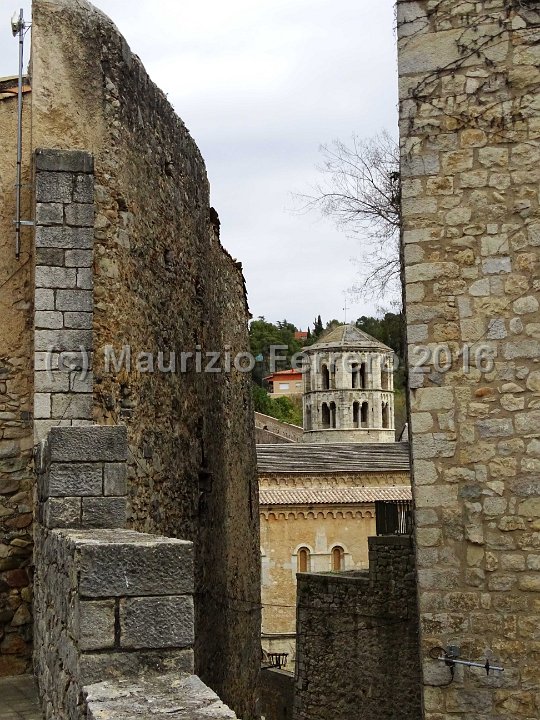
{"points": [[348, 388]]}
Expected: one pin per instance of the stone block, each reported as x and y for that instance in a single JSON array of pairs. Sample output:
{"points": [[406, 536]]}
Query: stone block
{"points": [[55, 277], [95, 667], [64, 161], [48, 320], [66, 238], [79, 258], [104, 512], [123, 563], [72, 405], [42, 405], [115, 479], [85, 278], [96, 624], [98, 443], [81, 382], [75, 300], [44, 299], [52, 381], [73, 479], [62, 512], [49, 213], [79, 320], [83, 189], [156, 622], [52, 187], [79, 215]]}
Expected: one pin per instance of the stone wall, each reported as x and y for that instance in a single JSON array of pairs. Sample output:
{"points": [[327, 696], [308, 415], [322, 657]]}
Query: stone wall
{"points": [[15, 396], [162, 284], [277, 694], [114, 613], [357, 639], [470, 144], [271, 430]]}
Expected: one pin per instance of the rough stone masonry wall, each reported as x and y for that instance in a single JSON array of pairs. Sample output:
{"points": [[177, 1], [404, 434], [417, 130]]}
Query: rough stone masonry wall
{"points": [[15, 400], [114, 616], [162, 283], [357, 639], [470, 144]]}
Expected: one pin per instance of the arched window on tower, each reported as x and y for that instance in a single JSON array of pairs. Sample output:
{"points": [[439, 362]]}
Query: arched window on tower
{"points": [[303, 560], [325, 413], [308, 423], [364, 414], [338, 559], [362, 376], [385, 415], [325, 377], [307, 378], [354, 375], [355, 414], [333, 415]]}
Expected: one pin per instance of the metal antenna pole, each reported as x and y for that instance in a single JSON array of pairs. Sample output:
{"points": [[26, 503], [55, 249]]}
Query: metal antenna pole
{"points": [[18, 184]]}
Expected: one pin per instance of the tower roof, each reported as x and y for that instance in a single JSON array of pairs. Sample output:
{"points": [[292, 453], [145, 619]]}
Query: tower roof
{"points": [[348, 336]]}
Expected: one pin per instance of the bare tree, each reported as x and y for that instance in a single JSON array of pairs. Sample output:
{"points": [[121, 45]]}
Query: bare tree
{"points": [[360, 191]]}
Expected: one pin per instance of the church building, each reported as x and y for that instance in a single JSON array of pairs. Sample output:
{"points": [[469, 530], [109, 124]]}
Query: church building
{"points": [[348, 388], [318, 486]]}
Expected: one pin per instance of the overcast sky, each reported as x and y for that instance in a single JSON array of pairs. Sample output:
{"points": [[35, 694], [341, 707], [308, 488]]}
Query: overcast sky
{"points": [[261, 84]]}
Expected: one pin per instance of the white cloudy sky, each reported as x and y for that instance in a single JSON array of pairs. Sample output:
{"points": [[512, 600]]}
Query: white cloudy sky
{"points": [[261, 84]]}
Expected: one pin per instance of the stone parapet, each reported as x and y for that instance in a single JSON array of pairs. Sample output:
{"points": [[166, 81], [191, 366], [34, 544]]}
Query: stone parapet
{"points": [[109, 604]]}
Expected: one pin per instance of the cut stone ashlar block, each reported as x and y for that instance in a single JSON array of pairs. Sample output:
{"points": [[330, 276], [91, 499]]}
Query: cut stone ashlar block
{"points": [[72, 479], [95, 624], [64, 161], [55, 277], [156, 622], [98, 443], [79, 215], [124, 563], [62, 512], [67, 238], [51, 187], [62, 340], [115, 479], [98, 666], [104, 512]]}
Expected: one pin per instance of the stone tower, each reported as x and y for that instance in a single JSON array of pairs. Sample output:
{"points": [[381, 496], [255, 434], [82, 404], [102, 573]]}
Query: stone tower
{"points": [[348, 388]]}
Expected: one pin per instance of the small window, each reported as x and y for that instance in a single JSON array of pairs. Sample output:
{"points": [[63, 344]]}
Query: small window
{"points": [[325, 377], [356, 413], [325, 411], [333, 415], [283, 386], [364, 415], [303, 560], [385, 415], [338, 558]]}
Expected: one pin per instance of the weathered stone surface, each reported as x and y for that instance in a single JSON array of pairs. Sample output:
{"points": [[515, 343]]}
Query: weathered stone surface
{"points": [[187, 698], [126, 563], [64, 161], [96, 624], [104, 512], [74, 479], [156, 622], [93, 444]]}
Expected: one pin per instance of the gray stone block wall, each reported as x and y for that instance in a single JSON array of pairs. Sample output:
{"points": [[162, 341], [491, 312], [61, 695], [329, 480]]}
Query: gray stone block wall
{"points": [[94, 619], [63, 318], [357, 653], [82, 477]]}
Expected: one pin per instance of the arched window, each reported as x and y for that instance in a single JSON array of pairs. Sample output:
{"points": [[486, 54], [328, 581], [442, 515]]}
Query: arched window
{"points": [[325, 412], [308, 422], [338, 558], [355, 414], [325, 377], [364, 415], [362, 376], [333, 415], [385, 415], [307, 378], [303, 560], [354, 375]]}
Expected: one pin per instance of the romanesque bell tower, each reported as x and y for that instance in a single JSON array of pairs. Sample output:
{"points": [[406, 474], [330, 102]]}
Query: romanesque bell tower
{"points": [[348, 389]]}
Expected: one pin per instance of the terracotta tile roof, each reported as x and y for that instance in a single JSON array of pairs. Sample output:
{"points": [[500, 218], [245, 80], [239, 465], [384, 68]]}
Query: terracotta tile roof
{"points": [[330, 459], [332, 495]]}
